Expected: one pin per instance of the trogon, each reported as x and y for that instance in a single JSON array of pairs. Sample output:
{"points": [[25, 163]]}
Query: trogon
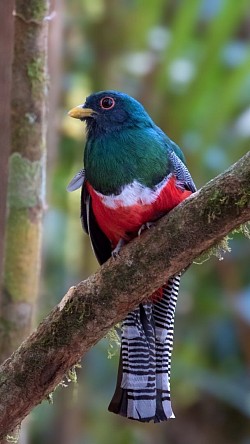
{"points": [[133, 174]]}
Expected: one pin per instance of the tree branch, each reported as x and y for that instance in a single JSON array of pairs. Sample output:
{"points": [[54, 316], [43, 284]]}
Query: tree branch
{"points": [[91, 308]]}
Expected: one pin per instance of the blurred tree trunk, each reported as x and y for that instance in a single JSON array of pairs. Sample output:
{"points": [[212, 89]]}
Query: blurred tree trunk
{"points": [[6, 50], [26, 173], [22, 141], [27, 102]]}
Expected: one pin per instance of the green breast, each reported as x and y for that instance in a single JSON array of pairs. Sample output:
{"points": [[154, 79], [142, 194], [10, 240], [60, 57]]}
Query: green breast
{"points": [[115, 160]]}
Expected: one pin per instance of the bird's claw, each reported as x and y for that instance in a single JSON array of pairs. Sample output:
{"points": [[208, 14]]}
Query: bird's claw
{"points": [[117, 249], [145, 226]]}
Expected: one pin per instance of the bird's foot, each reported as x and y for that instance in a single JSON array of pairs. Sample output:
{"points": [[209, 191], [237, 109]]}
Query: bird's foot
{"points": [[145, 226], [118, 248]]}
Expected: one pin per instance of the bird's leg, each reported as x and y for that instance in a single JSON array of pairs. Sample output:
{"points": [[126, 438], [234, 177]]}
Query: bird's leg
{"points": [[145, 226], [118, 248]]}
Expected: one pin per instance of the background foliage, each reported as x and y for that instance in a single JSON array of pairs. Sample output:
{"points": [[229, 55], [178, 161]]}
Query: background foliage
{"points": [[188, 62]]}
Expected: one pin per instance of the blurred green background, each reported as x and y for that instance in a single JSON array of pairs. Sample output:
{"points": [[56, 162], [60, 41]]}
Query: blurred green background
{"points": [[188, 62]]}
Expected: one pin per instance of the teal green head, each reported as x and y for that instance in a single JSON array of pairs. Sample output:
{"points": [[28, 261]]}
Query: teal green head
{"points": [[107, 111], [123, 143]]}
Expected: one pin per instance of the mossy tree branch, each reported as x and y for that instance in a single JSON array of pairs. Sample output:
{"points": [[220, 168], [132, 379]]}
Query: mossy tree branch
{"points": [[91, 308]]}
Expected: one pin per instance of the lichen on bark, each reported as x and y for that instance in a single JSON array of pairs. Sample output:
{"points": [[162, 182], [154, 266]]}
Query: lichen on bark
{"points": [[26, 182], [23, 241], [36, 74]]}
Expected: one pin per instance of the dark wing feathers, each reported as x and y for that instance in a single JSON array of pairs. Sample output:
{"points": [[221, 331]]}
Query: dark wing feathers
{"points": [[84, 215], [100, 243]]}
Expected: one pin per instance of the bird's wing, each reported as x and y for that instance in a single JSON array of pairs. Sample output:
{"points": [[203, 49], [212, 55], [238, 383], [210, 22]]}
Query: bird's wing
{"points": [[77, 181], [181, 172], [100, 243]]}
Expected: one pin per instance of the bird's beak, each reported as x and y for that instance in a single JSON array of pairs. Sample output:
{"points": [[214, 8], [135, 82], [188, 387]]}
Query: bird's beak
{"points": [[81, 113]]}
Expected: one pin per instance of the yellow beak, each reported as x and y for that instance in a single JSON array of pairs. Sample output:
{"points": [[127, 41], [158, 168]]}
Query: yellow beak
{"points": [[80, 113]]}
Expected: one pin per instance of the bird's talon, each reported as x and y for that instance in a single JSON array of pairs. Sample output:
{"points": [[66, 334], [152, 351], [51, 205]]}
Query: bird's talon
{"points": [[145, 226], [114, 253], [117, 249]]}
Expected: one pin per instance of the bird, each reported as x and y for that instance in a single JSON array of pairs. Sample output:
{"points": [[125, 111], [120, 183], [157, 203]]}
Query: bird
{"points": [[133, 174]]}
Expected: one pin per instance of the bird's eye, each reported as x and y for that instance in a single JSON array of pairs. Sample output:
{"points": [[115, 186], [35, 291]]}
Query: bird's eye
{"points": [[107, 103]]}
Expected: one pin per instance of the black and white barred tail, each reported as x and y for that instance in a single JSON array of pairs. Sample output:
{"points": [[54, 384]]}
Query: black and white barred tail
{"points": [[143, 384]]}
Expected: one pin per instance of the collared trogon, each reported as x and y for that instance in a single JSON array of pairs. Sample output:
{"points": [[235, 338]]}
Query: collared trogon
{"points": [[133, 174]]}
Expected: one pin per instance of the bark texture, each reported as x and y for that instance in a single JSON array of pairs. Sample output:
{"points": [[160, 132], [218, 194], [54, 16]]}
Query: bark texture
{"points": [[91, 308], [26, 183]]}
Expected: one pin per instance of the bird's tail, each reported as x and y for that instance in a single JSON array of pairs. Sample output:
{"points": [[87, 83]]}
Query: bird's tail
{"points": [[143, 384]]}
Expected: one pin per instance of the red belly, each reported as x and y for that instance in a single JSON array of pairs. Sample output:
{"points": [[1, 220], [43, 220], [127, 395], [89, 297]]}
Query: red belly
{"points": [[125, 221]]}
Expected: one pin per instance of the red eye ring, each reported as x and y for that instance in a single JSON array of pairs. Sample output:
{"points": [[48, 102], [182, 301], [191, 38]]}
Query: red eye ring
{"points": [[107, 103]]}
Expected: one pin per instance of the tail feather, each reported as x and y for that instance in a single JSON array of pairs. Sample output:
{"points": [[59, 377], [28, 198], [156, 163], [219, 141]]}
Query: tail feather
{"points": [[143, 386], [164, 311], [138, 362]]}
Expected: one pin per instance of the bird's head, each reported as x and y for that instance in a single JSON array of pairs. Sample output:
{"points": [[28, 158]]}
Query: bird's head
{"points": [[106, 111]]}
